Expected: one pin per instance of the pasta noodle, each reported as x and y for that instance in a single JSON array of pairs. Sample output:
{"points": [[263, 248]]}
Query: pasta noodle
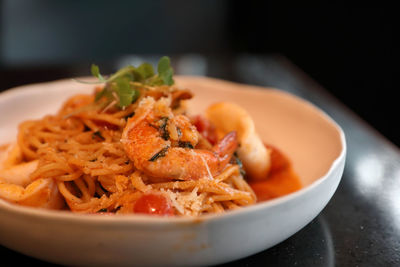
{"points": [[83, 151]]}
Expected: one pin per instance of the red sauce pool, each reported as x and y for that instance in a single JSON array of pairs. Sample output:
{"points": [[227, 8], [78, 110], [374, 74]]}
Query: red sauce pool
{"points": [[281, 180]]}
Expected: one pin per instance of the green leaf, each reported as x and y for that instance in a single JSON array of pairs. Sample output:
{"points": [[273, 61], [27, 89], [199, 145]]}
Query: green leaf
{"points": [[135, 95], [100, 94], [154, 81], [163, 64], [95, 70], [106, 92], [128, 70], [145, 70], [165, 71], [167, 77], [125, 93]]}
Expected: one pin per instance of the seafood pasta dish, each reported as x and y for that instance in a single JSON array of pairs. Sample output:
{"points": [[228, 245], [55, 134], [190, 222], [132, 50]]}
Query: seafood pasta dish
{"points": [[131, 147]]}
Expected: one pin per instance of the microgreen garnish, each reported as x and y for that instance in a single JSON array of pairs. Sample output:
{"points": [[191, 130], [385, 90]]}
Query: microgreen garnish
{"points": [[159, 154], [95, 70], [165, 72], [121, 88]]}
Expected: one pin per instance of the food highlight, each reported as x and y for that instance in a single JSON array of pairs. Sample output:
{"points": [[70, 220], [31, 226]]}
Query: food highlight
{"points": [[131, 147]]}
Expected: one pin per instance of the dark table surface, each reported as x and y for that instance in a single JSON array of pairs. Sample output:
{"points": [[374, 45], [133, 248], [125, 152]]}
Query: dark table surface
{"points": [[360, 226]]}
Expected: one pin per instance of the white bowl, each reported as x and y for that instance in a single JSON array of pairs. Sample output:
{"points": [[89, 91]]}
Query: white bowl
{"points": [[313, 141]]}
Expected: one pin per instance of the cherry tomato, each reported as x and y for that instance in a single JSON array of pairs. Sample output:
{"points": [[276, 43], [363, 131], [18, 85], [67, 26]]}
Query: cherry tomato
{"points": [[153, 204], [206, 129]]}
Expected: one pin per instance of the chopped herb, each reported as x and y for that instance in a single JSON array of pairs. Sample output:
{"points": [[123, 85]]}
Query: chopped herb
{"points": [[179, 131], [185, 144], [154, 126], [102, 188], [97, 135], [120, 88], [239, 162], [130, 116], [159, 154], [163, 128], [102, 210]]}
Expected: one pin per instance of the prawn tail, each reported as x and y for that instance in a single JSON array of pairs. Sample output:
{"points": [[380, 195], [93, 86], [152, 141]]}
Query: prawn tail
{"points": [[225, 148]]}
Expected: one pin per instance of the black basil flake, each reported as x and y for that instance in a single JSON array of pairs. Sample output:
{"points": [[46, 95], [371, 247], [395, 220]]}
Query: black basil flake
{"points": [[163, 129], [155, 127], [129, 115], [86, 129], [159, 154], [185, 144], [97, 134]]}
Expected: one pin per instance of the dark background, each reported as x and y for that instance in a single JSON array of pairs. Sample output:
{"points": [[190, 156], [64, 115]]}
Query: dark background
{"points": [[350, 52]]}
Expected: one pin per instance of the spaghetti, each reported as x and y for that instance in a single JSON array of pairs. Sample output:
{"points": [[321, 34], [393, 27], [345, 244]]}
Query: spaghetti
{"points": [[83, 164], [130, 147]]}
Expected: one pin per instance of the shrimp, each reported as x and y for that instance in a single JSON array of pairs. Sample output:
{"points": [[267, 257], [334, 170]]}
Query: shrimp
{"points": [[162, 145], [19, 174], [255, 156], [40, 193], [17, 186]]}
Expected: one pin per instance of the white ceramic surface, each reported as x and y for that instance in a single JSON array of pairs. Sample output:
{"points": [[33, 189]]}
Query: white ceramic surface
{"points": [[314, 143]]}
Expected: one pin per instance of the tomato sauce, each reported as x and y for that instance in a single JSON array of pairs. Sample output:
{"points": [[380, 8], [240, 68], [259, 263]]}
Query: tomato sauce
{"points": [[205, 128], [281, 179]]}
